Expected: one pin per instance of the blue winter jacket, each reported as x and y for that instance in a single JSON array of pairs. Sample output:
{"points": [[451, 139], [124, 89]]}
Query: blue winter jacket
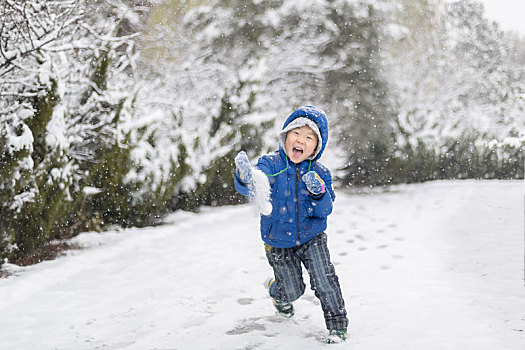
{"points": [[297, 217]]}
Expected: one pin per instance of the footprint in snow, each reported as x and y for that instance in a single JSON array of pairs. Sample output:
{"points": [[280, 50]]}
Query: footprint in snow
{"points": [[259, 324], [245, 301], [247, 328]]}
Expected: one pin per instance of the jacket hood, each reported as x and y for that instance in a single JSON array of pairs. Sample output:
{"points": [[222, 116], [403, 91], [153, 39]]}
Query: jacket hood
{"points": [[317, 116]]}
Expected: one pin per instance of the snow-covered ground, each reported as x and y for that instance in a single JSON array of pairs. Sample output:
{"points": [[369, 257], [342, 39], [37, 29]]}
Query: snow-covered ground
{"points": [[429, 266]]}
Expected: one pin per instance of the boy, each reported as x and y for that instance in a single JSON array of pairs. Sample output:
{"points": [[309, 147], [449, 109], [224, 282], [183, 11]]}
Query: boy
{"points": [[301, 196]]}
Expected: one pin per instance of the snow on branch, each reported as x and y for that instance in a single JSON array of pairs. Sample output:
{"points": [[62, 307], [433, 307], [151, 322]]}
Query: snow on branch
{"points": [[28, 26]]}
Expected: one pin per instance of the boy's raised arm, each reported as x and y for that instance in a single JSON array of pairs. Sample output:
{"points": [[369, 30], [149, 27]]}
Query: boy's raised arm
{"points": [[253, 183]]}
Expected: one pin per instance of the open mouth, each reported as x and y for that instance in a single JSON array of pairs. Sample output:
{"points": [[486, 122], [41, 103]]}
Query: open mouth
{"points": [[297, 152]]}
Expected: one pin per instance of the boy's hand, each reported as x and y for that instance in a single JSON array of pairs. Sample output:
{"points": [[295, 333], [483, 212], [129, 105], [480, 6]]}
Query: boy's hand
{"points": [[314, 183], [244, 168]]}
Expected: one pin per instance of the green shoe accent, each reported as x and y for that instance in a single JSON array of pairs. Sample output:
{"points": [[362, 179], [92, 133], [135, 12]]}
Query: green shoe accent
{"points": [[285, 309], [336, 336]]}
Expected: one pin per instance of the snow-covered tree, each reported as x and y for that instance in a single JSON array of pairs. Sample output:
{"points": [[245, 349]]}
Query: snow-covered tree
{"points": [[64, 78], [33, 182], [455, 88], [293, 53], [211, 86], [357, 90]]}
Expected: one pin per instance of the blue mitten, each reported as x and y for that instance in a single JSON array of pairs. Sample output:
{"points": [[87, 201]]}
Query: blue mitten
{"points": [[314, 183], [244, 168]]}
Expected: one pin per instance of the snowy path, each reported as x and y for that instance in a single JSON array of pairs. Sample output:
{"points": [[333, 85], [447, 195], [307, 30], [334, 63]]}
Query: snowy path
{"points": [[429, 266]]}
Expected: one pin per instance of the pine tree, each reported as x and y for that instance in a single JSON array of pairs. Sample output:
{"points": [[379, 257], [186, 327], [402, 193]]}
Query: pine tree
{"points": [[209, 82], [455, 89], [357, 91], [35, 176], [57, 111]]}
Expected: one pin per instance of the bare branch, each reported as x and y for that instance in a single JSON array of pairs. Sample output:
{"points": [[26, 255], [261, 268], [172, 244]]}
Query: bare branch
{"points": [[30, 29]]}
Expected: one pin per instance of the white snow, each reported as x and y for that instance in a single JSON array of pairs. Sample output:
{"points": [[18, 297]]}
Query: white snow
{"points": [[89, 190], [261, 192], [19, 142], [437, 265], [56, 130]]}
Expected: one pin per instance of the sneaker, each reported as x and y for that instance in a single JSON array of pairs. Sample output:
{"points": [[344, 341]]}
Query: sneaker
{"points": [[336, 336], [285, 309]]}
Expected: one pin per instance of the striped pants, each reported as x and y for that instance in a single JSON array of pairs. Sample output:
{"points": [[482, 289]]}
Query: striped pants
{"points": [[289, 285]]}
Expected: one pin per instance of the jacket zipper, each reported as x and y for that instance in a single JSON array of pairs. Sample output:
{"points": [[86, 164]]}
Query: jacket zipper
{"points": [[297, 203]]}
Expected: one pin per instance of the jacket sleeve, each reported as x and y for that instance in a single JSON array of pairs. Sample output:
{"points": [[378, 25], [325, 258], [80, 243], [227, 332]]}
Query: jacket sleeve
{"points": [[263, 164]]}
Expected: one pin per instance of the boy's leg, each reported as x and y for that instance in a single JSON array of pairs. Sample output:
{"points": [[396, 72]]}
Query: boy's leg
{"points": [[288, 285], [324, 282]]}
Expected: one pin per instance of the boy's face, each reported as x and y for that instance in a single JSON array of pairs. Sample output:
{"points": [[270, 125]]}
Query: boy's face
{"points": [[300, 143]]}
